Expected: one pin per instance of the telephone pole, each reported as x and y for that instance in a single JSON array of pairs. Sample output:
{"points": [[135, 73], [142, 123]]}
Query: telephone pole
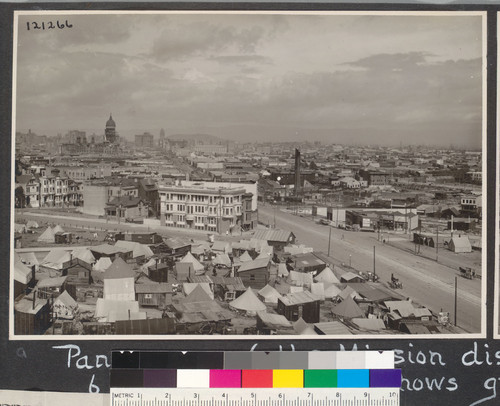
{"points": [[329, 239]]}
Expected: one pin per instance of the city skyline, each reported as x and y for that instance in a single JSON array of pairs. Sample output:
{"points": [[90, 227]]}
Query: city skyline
{"points": [[239, 77]]}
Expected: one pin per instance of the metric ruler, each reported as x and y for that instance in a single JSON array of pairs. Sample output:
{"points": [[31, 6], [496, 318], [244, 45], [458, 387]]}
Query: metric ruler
{"points": [[255, 397]]}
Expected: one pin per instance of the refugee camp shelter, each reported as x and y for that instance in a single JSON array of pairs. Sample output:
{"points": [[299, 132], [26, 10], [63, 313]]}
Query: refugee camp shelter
{"points": [[300, 305], [248, 302]]}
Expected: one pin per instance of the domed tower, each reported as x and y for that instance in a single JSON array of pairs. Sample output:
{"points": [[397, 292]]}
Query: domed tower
{"points": [[110, 130]]}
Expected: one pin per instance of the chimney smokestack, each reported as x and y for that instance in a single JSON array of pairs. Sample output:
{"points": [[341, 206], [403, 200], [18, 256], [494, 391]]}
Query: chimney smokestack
{"points": [[298, 185]]}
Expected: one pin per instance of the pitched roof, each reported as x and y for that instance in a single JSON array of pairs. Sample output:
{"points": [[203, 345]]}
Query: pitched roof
{"points": [[331, 328], [190, 287], [198, 294], [47, 236], [125, 201], [274, 320], [269, 294], [254, 264], [222, 259], [326, 276], [56, 258], [298, 298], [138, 249], [300, 278], [248, 302], [107, 249], [406, 309], [22, 273], [102, 264], [369, 324], [66, 299], [349, 276], [153, 288], [197, 266], [245, 257], [274, 235], [84, 254], [51, 282], [119, 269], [114, 310], [348, 309]]}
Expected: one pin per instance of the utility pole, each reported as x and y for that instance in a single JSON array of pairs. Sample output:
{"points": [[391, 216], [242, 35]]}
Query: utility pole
{"points": [[329, 239], [437, 242], [455, 317], [374, 261]]}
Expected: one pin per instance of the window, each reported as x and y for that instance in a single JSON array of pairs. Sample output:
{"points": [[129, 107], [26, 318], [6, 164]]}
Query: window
{"points": [[252, 277], [148, 296]]}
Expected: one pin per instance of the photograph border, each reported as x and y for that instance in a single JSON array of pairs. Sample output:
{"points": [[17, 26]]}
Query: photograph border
{"points": [[440, 12]]}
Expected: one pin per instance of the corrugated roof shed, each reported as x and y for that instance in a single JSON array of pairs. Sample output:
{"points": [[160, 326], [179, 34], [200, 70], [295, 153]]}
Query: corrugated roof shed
{"points": [[299, 298], [331, 328], [255, 264], [274, 235]]}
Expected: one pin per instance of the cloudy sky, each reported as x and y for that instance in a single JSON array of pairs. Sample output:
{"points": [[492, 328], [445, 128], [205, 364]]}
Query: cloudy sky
{"points": [[336, 78]]}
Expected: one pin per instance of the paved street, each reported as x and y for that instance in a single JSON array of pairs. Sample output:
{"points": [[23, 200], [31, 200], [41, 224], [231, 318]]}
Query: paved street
{"points": [[425, 281]]}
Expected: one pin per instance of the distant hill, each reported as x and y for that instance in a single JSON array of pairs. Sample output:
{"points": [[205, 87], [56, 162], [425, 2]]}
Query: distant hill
{"points": [[197, 138]]}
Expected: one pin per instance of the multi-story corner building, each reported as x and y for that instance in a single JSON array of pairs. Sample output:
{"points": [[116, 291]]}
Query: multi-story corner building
{"points": [[214, 209], [145, 140]]}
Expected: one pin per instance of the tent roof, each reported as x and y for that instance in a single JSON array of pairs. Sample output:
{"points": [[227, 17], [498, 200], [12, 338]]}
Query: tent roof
{"points": [[326, 276], [66, 299], [331, 328], [222, 259], [32, 224], [119, 269], [102, 264], [84, 254], [269, 294], [331, 290], [298, 298], [221, 246], [58, 229], [22, 273], [348, 308], [248, 302], [29, 257], [189, 258], [190, 287], [138, 249], [198, 294], [57, 256], [303, 328], [369, 324], [47, 235], [116, 309]]}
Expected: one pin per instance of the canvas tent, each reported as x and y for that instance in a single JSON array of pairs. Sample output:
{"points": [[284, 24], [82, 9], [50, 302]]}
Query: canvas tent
{"points": [[56, 258], [119, 269], [248, 302], [47, 236], [331, 291], [138, 249], [115, 310], [22, 273], [198, 294], [190, 287], [318, 289], [65, 306], [269, 294], [58, 229], [460, 244], [32, 224], [189, 259], [326, 276], [29, 259], [102, 264], [20, 228], [222, 259], [84, 254], [303, 328], [348, 309]]}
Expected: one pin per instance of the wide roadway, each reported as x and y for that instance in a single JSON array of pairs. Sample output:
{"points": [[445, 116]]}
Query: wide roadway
{"points": [[424, 280]]}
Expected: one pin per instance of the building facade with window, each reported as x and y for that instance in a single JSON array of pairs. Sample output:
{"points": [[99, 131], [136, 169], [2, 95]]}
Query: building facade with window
{"points": [[213, 209]]}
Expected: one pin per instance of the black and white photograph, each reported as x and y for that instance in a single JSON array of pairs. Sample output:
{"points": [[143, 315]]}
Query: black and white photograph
{"points": [[213, 174]]}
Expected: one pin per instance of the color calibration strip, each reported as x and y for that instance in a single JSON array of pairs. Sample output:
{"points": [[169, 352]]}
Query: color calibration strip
{"points": [[254, 369], [255, 378]]}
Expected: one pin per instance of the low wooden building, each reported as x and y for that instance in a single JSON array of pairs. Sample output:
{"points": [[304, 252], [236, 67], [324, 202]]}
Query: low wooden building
{"points": [[159, 272], [78, 272], [255, 273], [50, 287], [178, 247], [63, 238], [153, 294], [31, 315], [276, 238], [298, 305]]}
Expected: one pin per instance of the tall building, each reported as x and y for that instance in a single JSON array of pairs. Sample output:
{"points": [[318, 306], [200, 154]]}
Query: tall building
{"points": [[215, 209], [110, 130], [145, 140], [161, 142]]}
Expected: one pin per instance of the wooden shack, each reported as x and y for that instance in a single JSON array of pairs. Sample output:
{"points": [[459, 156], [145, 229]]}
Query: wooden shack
{"points": [[31, 315], [78, 272], [298, 305], [255, 273], [159, 272], [153, 294]]}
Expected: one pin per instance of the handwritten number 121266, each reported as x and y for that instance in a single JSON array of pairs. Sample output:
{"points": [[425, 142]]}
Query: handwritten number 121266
{"points": [[47, 25]]}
